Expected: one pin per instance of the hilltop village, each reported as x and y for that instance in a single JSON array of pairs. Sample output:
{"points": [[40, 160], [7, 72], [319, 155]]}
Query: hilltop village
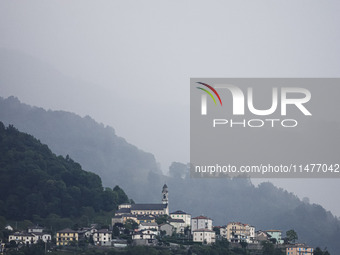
{"points": [[154, 225]]}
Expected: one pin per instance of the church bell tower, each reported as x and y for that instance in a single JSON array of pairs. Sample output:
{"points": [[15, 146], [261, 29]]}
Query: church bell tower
{"points": [[165, 199]]}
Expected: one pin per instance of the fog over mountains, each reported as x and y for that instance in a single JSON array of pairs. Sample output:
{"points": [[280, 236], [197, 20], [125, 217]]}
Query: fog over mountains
{"points": [[98, 149], [127, 64]]}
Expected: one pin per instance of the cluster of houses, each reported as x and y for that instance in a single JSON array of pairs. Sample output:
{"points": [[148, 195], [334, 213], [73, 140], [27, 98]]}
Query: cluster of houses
{"points": [[101, 237], [32, 235], [199, 229], [65, 237]]}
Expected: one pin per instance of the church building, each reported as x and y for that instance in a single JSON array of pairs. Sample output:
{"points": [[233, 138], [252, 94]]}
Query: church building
{"points": [[147, 209]]}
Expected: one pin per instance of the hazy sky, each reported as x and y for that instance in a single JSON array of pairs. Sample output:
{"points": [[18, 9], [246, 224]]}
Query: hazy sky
{"points": [[132, 60]]}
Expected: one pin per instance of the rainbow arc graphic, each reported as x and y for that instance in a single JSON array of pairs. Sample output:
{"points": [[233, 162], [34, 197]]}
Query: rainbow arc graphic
{"points": [[204, 97], [209, 93]]}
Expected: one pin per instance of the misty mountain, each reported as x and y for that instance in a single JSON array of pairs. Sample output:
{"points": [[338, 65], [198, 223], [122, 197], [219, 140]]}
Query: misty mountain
{"points": [[98, 149]]}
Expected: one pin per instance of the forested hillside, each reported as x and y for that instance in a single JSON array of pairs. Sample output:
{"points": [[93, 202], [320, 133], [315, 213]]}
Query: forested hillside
{"points": [[35, 183]]}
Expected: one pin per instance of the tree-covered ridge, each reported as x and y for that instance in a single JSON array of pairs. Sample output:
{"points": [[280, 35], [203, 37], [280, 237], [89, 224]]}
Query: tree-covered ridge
{"points": [[96, 147], [34, 181]]}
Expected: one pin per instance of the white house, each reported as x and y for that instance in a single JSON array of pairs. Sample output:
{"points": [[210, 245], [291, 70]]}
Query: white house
{"points": [[148, 225], [124, 206], [205, 236], [252, 235], [180, 215], [146, 234], [86, 232], [42, 236], [201, 222], [21, 237], [35, 229], [145, 237], [102, 237], [223, 232], [39, 234], [178, 224]]}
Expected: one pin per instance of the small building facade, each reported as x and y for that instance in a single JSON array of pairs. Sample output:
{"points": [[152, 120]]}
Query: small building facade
{"points": [[145, 237], [29, 237], [167, 229], [180, 215], [152, 225], [66, 237], [236, 232], [178, 225], [261, 236], [22, 238], [146, 219], [276, 234], [205, 236], [201, 222], [102, 237], [299, 250]]}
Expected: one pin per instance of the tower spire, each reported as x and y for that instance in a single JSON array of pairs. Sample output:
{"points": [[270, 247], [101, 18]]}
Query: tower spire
{"points": [[165, 198]]}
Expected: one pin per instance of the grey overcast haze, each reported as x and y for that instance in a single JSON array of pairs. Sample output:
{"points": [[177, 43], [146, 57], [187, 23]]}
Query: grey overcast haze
{"points": [[130, 62]]}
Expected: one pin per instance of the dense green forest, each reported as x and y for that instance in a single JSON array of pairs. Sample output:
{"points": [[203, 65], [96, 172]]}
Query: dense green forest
{"points": [[35, 183]]}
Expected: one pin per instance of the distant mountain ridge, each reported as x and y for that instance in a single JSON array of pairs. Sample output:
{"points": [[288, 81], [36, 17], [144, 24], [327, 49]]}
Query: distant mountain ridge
{"points": [[98, 149]]}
